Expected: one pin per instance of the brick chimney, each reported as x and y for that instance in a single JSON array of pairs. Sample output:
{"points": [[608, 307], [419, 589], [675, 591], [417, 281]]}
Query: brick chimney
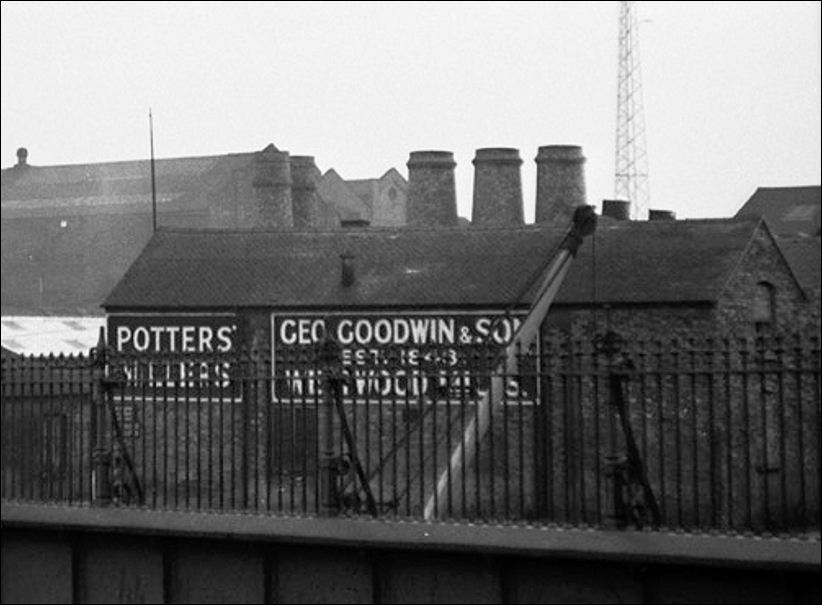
{"points": [[497, 187], [617, 209], [432, 200], [560, 183], [305, 203], [349, 274], [661, 215], [272, 189]]}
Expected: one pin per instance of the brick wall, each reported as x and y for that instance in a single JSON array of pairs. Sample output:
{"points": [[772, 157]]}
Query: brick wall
{"points": [[64, 265], [763, 263], [732, 313]]}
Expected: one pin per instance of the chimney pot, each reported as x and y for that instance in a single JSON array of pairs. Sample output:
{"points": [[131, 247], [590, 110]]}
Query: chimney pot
{"points": [[432, 200], [349, 276], [497, 187], [661, 215], [22, 156], [617, 209], [354, 223], [560, 182]]}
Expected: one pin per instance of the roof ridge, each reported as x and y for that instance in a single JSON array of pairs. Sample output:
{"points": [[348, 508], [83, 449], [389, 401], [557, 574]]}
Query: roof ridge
{"points": [[138, 160], [370, 229]]}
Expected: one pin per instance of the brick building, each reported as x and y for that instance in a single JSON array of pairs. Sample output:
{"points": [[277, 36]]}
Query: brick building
{"points": [[684, 278], [705, 277], [690, 277], [70, 232], [794, 214]]}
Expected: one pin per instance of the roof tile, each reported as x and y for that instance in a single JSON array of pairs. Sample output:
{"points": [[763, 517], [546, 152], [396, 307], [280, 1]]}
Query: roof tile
{"points": [[665, 261]]}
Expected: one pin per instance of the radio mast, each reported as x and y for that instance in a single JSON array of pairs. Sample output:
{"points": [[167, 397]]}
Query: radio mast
{"points": [[631, 166]]}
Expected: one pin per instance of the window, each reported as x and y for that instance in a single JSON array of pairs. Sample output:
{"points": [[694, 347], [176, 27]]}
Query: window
{"points": [[764, 304]]}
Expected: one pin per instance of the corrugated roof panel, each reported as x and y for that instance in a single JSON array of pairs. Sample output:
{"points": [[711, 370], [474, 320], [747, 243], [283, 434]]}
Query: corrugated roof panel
{"points": [[50, 335]]}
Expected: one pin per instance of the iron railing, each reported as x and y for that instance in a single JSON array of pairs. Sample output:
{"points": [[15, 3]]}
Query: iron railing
{"points": [[719, 434]]}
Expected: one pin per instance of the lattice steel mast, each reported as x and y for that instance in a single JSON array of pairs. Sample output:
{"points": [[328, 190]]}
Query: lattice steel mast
{"points": [[631, 165]]}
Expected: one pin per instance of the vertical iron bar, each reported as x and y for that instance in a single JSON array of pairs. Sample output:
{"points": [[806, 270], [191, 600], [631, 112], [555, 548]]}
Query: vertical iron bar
{"points": [[214, 383], [407, 448], [449, 514], [178, 382], [729, 466], [422, 403], [815, 369], [50, 427], [464, 395], [676, 372], [200, 393], [506, 509], [598, 460], [293, 429], [83, 389], [434, 446], [800, 424], [272, 399], [489, 436], [766, 462], [552, 380], [642, 376], [783, 456], [395, 495], [694, 434], [577, 416], [712, 478], [476, 456], [380, 470], [746, 431], [566, 437], [661, 429], [520, 441]]}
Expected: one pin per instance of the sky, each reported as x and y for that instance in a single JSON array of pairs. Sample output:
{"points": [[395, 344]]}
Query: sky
{"points": [[731, 89]]}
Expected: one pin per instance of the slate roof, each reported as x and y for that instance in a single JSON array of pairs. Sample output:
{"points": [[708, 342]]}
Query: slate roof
{"points": [[368, 189], [648, 262], [804, 255], [106, 187], [788, 210], [335, 190]]}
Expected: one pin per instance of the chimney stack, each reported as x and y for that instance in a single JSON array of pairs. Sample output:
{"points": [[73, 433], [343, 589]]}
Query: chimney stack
{"points": [[22, 157], [272, 189], [349, 276], [305, 206], [560, 183], [432, 200], [497, 187], [617, 209], [354, 223], [661, 215]]}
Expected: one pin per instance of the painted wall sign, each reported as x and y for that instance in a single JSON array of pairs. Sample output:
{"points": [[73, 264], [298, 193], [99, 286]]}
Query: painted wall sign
{"points": [[185, 349], [391, 356]]}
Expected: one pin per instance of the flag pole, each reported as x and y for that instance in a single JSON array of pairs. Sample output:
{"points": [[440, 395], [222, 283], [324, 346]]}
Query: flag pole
{"points": [[153, 181]]}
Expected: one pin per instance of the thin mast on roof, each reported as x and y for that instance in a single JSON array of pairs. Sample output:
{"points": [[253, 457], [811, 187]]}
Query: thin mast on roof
{"points": [[153, 182], [631, 165]]}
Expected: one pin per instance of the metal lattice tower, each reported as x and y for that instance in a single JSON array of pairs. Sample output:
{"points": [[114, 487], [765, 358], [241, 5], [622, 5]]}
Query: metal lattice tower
{"points": [[631, 166]]}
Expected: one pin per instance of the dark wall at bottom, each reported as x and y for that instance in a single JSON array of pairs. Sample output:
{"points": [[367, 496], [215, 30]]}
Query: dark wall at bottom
{"points": [[41, 565]]}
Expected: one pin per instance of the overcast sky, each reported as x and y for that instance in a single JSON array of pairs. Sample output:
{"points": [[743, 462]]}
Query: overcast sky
{"points": [[732, 89]]}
